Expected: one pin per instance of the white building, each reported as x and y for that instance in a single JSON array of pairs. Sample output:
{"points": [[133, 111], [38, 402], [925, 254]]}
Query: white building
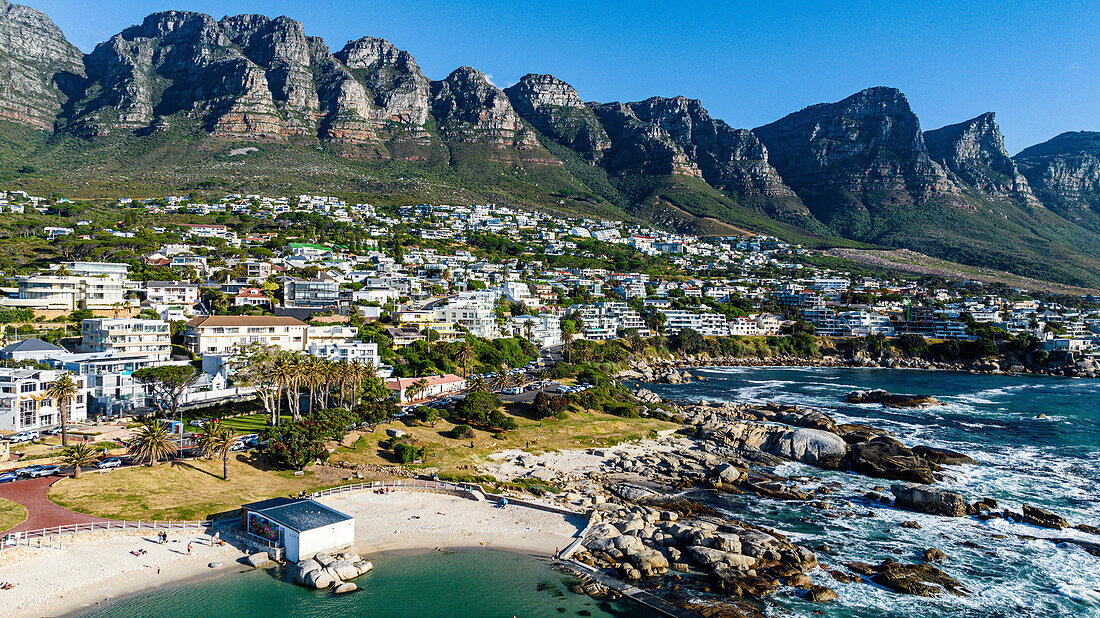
{"points": [[128, 335], [24, 404], [302, 528], [69, 293]]}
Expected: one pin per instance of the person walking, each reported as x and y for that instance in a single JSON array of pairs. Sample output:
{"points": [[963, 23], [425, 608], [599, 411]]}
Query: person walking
{"points": [[188, 548]]}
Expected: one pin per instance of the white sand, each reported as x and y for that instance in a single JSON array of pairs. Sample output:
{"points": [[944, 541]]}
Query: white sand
{"points": [[420, 520], [97, 567], [94, 567]]}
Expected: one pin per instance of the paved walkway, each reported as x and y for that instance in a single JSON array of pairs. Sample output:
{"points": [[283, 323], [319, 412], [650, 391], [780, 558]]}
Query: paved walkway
{"points": [[41, 513]]}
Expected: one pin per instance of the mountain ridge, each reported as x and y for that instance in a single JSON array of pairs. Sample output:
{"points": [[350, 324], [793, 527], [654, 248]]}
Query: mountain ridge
{"points": [[166, 102]]}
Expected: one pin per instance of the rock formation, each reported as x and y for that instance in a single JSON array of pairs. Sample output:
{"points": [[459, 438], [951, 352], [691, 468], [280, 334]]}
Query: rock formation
{"points": [[39, 69], [974, 152], [554, 107], [469, 109], [849, 157], [1064, 172]]}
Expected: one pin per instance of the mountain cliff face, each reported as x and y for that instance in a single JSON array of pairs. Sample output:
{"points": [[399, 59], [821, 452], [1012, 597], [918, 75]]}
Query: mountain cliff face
{"points": [[469, 109], [39, 69], [974, 152], [554, 108], [1064, 172], [179, 93]]}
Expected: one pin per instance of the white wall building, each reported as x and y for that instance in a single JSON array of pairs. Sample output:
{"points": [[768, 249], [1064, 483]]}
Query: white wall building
{"points": [[24, 404]]}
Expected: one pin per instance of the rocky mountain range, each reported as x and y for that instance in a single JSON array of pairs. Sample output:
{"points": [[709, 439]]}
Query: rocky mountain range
{"points": [[170, 102]]}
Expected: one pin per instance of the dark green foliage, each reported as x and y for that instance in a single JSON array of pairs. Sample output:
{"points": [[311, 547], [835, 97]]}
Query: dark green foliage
{"points": [[462, 432], [475, 408], [407, 453]]}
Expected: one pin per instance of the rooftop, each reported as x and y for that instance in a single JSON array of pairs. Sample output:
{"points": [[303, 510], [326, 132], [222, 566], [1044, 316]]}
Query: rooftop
{"points": [[300, 515], [244, 320]]}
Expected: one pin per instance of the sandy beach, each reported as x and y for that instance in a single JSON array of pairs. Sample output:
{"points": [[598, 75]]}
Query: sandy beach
{"points": [[94, 568]]}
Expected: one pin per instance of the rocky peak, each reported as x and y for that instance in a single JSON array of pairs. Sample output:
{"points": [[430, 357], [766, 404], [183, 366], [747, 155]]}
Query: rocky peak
{"points": [[41, 70], [392, 76], [471, 109], [1064, 171], [870, 141], [974, 152], [554, 107]]}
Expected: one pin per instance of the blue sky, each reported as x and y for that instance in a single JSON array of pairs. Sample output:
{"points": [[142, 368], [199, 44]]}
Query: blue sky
{"points": [[749, 62]]}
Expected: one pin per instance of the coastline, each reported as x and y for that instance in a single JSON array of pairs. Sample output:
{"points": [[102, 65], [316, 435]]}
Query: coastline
{"points": [[399, 523]]}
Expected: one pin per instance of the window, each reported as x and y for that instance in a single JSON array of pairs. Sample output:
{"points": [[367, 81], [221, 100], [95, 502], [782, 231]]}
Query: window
{"points": [[28, 387], [27, 409]]}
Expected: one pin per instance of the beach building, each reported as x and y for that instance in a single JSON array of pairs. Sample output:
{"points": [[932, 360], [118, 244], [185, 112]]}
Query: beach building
{"points": [[435, 386], [301, 528]]}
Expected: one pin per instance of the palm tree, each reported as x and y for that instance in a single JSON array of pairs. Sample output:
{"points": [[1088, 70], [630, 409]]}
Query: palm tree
{"points": [[529, 329], [152, 443], [313, 376], [216, 442], [477, 383], [79, 454], [464, 355], [282, 373], [62, 391], [421, 386]]}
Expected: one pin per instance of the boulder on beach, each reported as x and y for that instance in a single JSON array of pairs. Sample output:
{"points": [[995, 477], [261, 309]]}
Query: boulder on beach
{"points": [[345, 587], [942, 456], [925, 499], [257, 559]]}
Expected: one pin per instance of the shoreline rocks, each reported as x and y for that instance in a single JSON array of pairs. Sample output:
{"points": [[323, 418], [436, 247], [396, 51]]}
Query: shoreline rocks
{"points": [[890, 400], [325, 570]]}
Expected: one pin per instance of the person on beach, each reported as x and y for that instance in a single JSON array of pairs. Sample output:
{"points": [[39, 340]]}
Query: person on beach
{"points": [[217, 540], [188, 548]]}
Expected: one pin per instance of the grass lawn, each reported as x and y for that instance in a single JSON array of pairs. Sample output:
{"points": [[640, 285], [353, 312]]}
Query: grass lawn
{"points": [[249, 423], [192, 490], [11, 514], [578, 431]]}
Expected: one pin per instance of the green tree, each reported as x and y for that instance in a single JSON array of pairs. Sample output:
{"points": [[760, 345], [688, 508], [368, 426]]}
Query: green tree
{"points": [[78, 455], [475, 408], [216, 442], [167, 384], [151, 443], [63, 391]]}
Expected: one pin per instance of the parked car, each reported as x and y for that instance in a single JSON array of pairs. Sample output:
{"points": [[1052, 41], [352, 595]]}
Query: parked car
{"points": [[8, 477], [23, 436], [27, 471], [55, 431], [110, 462], [238, 446], [45, 471]]}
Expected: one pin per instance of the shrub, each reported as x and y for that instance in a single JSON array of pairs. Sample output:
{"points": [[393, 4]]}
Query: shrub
{"points": [[407, 453], [462, 432], [424, 414], [499, 420]]}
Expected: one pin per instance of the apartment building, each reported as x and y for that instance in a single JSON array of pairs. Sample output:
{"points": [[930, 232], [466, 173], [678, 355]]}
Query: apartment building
{"points": [[24, 404], [320, 292], [347, 351], [69, 293], [171, 293], [603, 321], [127, 335], [224, 334], [109, 377]]}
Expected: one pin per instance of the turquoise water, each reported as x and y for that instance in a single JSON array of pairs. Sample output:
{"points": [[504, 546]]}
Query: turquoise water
{"points": [[1053, 462], [463, 583]]}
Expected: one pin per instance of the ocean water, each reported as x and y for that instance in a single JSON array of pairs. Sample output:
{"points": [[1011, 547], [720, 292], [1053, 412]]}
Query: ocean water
{"points": [[463, 583], [1052, 462]]}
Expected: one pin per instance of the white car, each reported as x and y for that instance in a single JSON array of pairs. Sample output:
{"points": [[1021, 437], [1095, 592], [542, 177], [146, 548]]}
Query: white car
{"points": [[23, 436], [44, 471]]}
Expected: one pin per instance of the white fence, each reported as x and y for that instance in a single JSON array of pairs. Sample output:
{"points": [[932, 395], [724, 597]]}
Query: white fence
{"points": [[33, 537]]}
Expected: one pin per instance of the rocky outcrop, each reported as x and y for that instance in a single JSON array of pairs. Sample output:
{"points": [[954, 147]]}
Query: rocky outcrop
{"points": [[974, 152], [325, 570], [847, 157], [469, 109], [640, 147], [918, 579], [892, 400], [39, 69], [1037, 516], [392, 78], [886, 458], [1064, 172], [554, 107], [925, 499]]}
